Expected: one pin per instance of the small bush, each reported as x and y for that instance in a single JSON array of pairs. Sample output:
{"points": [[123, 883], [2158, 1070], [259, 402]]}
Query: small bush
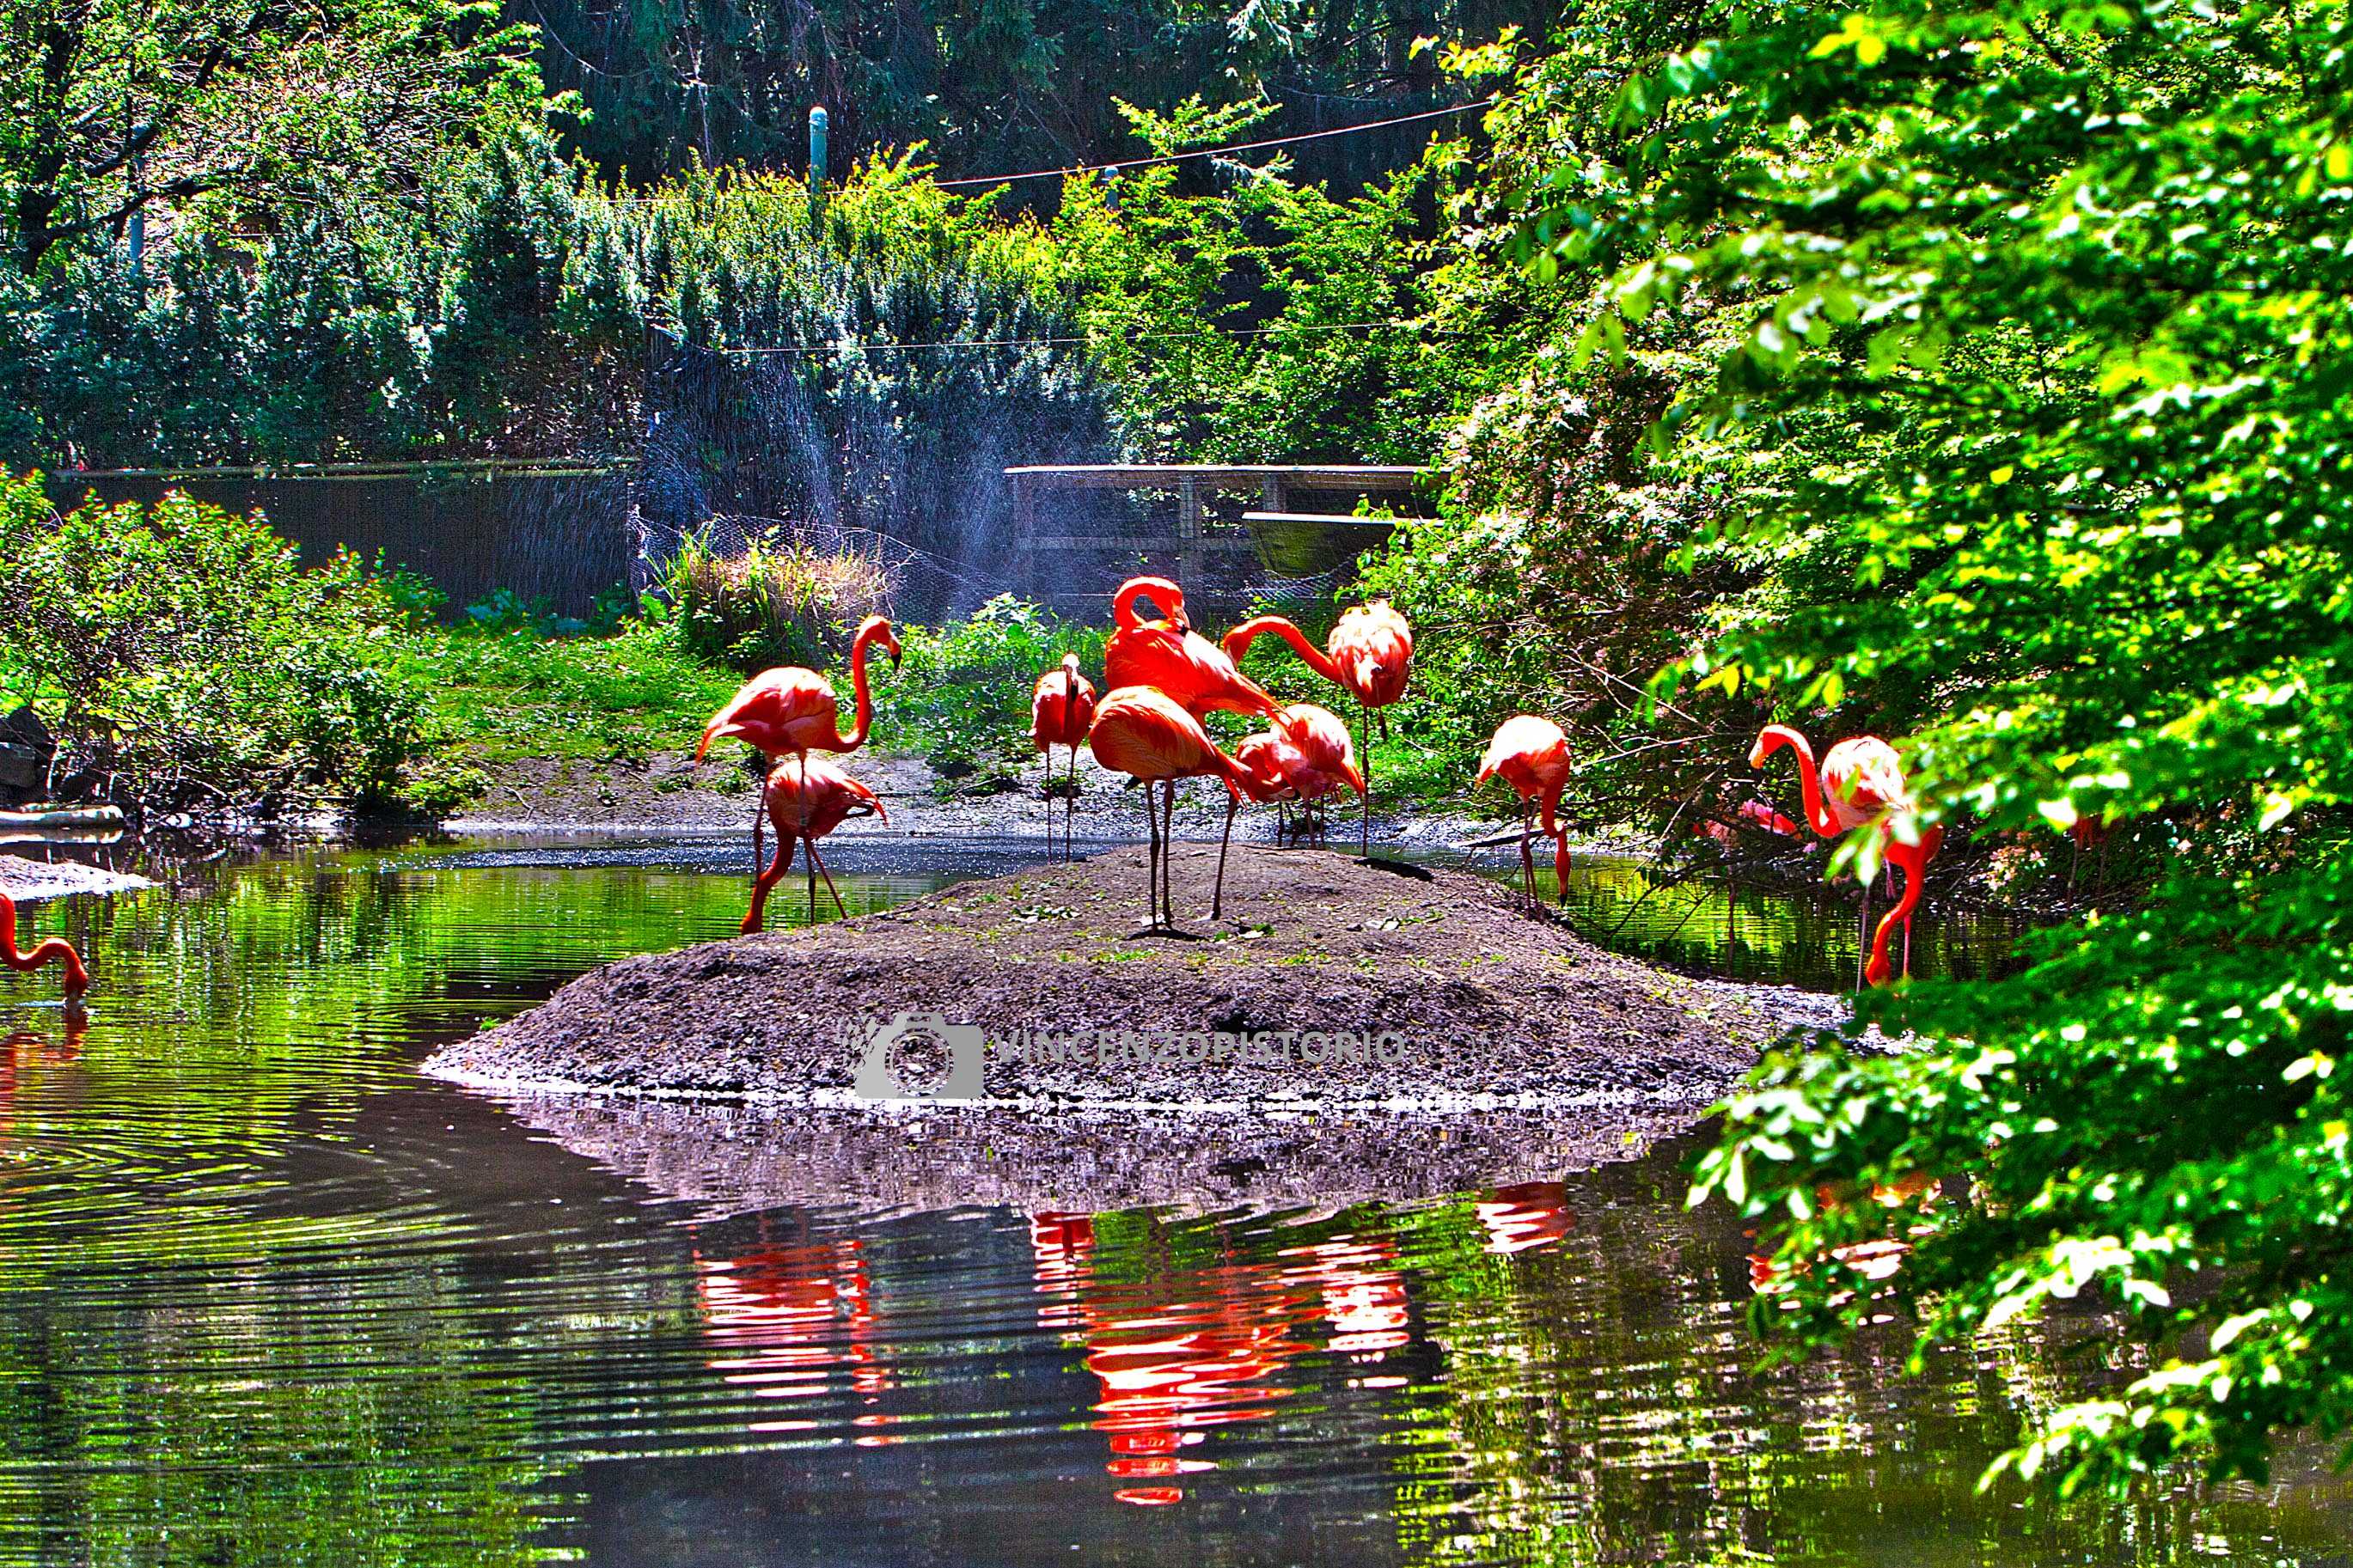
{"points": [[186, 661], [779, 603], [961, 696]]}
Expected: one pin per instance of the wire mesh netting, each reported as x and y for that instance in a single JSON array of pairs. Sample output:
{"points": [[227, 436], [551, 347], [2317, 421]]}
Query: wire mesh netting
{"points": [[900, 460]]}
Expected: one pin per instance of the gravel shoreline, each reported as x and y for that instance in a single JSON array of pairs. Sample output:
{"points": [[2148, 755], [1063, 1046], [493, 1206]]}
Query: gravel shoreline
{"points": [[34, 881], [1331, 985]]}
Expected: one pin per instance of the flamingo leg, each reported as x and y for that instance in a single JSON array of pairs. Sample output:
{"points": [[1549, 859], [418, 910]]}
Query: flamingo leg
{"points": [[838, 906], [1070, 809], [1167, 853], [768, 879], [1528, 856], [1368, 771], [759, 813], [1152, 860], [1218, 899]]}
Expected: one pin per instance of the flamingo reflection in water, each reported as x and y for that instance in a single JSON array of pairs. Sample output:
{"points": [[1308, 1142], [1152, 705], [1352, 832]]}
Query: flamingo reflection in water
{"points": [[29, 1050], [1201, 1348], [792, 1319], [1525, 1216]]}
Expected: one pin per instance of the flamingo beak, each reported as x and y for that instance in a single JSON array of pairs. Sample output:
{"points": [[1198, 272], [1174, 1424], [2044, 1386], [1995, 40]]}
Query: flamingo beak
{"points": [[1756, 756]]}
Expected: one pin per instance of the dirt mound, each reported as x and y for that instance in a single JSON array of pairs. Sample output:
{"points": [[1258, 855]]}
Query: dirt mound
{"points": [[1329, 982]]}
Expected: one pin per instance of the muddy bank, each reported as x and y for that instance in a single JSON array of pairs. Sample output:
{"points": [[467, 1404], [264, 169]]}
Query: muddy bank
{"points": [[735, 1157], [1329, 984], [667, 793], [30, 881]]}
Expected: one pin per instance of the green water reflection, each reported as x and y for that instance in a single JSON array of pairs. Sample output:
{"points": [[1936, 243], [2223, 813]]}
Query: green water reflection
{"points": [[1814, 939], [267, 1297]]}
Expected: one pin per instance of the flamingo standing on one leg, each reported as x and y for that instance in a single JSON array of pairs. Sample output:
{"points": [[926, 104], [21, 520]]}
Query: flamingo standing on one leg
{"points": [[791, 710], [1148, 735], [1369, 655], [1531, 755], [1859, 779], [1305, 757], [1061, 710], [806, 803], [54, 949], [1170, 655]]}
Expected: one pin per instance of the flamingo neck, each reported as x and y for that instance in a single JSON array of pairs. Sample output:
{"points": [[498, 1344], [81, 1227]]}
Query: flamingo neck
{"points": [[856, 737], [1069, 692], [56, 949], [1810, 778], [1238, 641], [1163, 594], [1914, 859]]}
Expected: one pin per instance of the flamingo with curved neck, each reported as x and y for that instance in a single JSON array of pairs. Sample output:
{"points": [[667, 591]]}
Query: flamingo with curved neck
{"points": [[791, 710], [1370, 655], [1914, 859], [54, 949], [807, 805], [1859, 781], [1165, 594], [1170, 656], [1531, 755]]}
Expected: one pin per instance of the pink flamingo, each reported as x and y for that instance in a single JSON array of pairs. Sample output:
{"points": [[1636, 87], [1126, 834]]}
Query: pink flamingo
{"points": [[790, 710], [1144, 733], [1170, 655], [1531, 755], [1305, 757], [1861, 779], [1369, 655], [1061, 710], [54, 949], [807, 803]]}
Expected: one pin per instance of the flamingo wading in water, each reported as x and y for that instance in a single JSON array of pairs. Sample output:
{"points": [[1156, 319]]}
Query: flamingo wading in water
{"points": [[1531, 755], [1369, 655], [1170, 655], [1147, 734], [1861, 779], [806, 803], [791, 710], [56, 949], [1061, 710]]}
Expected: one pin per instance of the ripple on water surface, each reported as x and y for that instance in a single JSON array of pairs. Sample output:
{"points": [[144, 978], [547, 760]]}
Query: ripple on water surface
{"points": [[266, 1296]]}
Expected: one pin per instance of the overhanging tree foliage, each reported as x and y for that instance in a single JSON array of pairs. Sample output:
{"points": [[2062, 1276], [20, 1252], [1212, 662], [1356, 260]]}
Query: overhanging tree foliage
{"points": [[2076, 280], [109, 108]]}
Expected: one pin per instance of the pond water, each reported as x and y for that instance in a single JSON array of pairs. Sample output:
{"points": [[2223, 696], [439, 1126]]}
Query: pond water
{"points": [[267, 1295]]}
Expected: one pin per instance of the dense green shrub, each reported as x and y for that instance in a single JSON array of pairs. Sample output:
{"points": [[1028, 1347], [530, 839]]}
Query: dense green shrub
{"points": [[2021, 408], [961, 698], [778, 603], [187, 662]]}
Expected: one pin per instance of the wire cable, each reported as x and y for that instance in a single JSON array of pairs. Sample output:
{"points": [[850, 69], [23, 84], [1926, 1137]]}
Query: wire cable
{"points": [[1214, 152], [1065, 173], [1058, 342]]}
